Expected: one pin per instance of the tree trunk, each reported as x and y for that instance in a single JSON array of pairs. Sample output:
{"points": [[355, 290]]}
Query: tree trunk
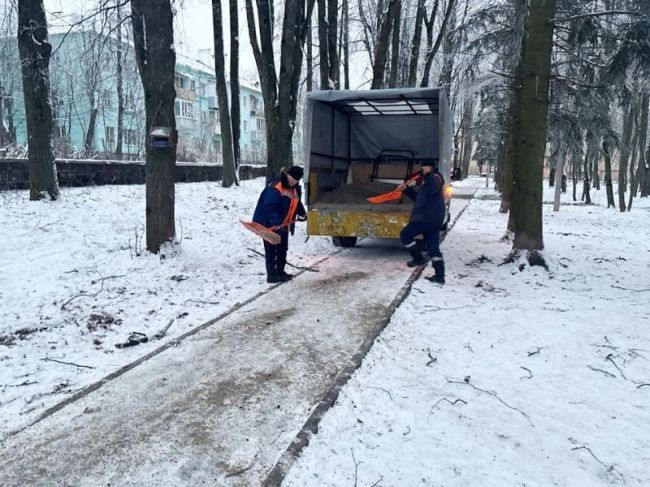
{"points": [[323, 46], [595, 171], [90, 133], [642, 131], [551, 177], [153, 38], [529, 127], [432, 49], [644, 169], [589, 155], [2, 118], [394, 49], [625, 154], [558, 172], [379, 68], [235, 109], [346, 44], [229, 174], [120, 88], [609, 189], [449, 23], [310, 56], [415, 45], [35, 52], [467, 137], [332, 44], [280, 94], [632, 161]]}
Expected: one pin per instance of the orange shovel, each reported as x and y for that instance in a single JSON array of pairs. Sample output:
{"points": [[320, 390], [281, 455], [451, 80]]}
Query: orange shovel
{"points": [[265, 232], [391, 195]]}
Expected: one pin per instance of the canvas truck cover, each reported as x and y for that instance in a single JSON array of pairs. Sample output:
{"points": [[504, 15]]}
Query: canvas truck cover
{"points": [[346, 129]]}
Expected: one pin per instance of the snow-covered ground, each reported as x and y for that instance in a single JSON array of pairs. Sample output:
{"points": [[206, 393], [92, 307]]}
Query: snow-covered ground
{"points": [[502, 377], [74, 281], [506, 376]]}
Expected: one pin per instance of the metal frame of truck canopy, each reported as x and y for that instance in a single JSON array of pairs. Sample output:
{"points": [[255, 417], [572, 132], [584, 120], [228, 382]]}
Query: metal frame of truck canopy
{"points": [[346, 126]]}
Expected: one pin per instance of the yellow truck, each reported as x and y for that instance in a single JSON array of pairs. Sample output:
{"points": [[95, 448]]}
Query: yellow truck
{"points": [[363, 143]]}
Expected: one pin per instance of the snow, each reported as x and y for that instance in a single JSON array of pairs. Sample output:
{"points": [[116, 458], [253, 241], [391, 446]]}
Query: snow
{"points": [[501, 377], [577, 421], [81, 250]]}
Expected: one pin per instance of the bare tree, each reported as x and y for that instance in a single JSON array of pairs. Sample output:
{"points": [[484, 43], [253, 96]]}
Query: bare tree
{"points": [[415, 45], [381, 49], [120, 86], [153, 35], [235, 109], [229, 174], [280, 92], [395, 46], [323, 46], [345, 41], [35, 52]]}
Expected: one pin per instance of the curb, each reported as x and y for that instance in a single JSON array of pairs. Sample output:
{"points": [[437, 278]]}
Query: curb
{"points": [[310, 427]]}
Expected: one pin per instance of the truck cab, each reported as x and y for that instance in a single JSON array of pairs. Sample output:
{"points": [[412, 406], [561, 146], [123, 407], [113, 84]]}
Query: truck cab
{"points": [[360, 144]]}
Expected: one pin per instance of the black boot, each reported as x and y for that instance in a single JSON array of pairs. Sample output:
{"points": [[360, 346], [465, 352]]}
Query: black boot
{"points": [[418, 259], [439, 268]]}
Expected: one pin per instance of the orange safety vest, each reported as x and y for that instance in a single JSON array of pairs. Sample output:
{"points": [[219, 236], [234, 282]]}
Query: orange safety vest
{"points": [[293, 206]]}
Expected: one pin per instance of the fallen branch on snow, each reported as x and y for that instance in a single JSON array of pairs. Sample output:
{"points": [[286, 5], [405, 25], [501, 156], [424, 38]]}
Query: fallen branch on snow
{"points": [[632, 290], [609, 357], [47, 359], [101, 279], [609, 468], [608, 374], [642, 385], [432, 359], [530, 374], [491, 393], [26, 383], [446, 400], [200, 302], [163, 332], [356, 467], [534, 352]]}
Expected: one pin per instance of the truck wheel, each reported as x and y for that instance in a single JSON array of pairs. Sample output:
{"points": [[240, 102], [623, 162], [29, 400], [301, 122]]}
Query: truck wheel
{"points": [[344, 241]]}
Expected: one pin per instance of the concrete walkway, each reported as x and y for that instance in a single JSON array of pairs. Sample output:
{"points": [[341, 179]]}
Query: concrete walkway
{"points": [[222, 407]]}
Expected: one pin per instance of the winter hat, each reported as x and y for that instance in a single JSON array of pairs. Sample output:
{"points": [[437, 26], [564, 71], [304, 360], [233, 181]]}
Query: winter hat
{"points": [[295, 172]]}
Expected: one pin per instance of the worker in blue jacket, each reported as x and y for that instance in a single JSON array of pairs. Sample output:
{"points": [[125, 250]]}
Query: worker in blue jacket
{"points": [[427, 218], [278, 207]]}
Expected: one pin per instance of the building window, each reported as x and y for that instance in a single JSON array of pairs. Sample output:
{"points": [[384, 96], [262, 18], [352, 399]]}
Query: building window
{"points": [[245, 100], [110, 137], [245, 125], [184, 109], [183, 82], [129, 101], [260, 125], [130, 137]]}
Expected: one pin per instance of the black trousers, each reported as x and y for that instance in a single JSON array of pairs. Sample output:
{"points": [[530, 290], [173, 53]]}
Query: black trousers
{"points": [[276, 255]]}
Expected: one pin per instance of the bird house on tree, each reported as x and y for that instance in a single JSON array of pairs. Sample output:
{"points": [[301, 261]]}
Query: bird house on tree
{"points": [[162, 137]]}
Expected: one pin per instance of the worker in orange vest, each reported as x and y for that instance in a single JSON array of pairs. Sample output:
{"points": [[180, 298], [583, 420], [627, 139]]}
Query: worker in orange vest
{"points": [[279, 206]]}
